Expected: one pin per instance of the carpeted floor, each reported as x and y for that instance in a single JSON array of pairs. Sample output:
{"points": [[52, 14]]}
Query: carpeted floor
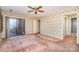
{"points": [[37, 43]]}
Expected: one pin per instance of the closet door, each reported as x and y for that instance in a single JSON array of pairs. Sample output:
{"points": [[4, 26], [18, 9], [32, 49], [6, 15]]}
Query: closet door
{"points": [[15, 27], [73, 25]]}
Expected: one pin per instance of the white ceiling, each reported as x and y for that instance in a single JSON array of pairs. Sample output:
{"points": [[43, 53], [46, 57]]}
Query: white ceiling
{"points": [[23, 10]]}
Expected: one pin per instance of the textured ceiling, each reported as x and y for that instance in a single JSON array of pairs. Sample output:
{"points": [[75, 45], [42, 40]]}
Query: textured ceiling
{"points": [[23, 10]]}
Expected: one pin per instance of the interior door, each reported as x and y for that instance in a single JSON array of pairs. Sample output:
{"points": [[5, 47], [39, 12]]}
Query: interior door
{"points": [[73, 25]]}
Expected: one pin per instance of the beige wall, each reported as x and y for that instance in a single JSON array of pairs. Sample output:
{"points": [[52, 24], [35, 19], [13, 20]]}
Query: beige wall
{"points": [[28, 26], [36, 26], [52, 26]]}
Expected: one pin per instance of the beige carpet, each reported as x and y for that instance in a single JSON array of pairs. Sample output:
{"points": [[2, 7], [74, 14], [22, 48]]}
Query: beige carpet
{"points": [[36, 43]]}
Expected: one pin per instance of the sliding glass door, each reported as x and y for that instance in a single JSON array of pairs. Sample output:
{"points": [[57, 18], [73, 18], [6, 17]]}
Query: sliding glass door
{"points": [[15, 27]]}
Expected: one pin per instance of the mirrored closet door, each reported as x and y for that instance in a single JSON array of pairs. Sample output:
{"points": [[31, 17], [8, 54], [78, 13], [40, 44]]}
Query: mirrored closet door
{"points": [[14, 27]]}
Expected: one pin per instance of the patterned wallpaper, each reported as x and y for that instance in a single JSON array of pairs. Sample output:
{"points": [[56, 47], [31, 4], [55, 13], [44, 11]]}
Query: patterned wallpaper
{"points": [[52, 26]]}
